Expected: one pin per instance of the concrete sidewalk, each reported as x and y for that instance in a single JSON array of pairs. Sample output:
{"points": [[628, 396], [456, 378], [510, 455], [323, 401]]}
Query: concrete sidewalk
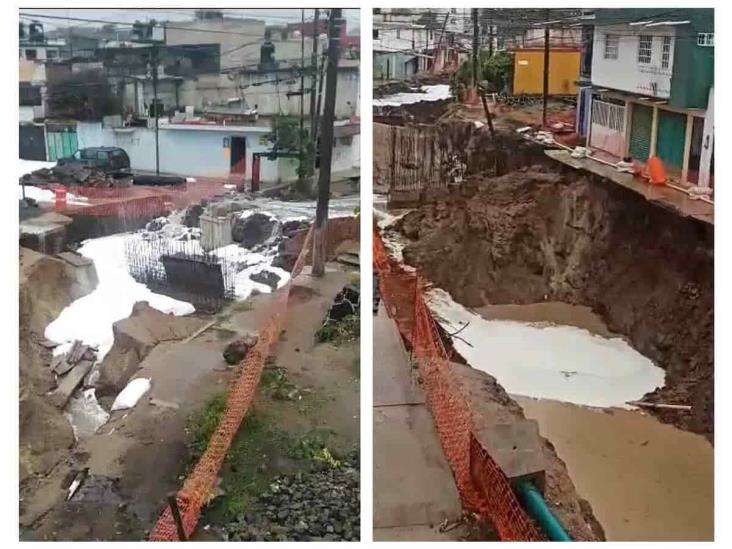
{"points": [[414, 490]]}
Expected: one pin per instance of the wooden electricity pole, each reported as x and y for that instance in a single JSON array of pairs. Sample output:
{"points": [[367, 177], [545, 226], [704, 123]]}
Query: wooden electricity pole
{"points": [[313, 88], [326, 144], [546, 67], [155, 103], [476, 45], [301, 141]]}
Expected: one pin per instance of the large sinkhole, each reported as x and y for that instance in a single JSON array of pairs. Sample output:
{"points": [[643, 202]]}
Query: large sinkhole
{"points": [[580, 298]]}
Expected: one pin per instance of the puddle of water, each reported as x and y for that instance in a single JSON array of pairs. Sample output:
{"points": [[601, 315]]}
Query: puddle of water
{"points": [[98, 489], [554, 312], [85, 414], [644, 479]]}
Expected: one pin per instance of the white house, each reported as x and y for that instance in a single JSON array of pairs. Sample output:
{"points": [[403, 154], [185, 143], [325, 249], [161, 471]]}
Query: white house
{"points": [[210, 150]]}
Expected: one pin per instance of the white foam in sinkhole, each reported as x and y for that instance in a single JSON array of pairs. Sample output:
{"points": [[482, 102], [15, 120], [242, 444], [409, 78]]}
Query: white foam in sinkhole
{"points": [[554, 362]]}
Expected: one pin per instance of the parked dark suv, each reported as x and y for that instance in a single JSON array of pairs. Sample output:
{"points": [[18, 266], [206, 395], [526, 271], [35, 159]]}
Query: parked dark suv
{"points": [[107, 159]]}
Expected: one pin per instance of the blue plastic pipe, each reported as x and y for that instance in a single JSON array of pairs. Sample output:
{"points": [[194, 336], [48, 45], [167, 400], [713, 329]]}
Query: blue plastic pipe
{"points": [[537, 507]]}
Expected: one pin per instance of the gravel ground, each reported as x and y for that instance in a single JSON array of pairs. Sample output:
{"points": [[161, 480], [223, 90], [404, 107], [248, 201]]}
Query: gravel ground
{"points": [[320, 505]]}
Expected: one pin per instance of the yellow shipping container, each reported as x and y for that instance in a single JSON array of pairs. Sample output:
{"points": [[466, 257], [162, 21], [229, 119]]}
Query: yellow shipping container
{"points": [[528, 71]]}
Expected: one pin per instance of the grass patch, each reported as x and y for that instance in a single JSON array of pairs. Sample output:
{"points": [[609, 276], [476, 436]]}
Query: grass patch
{"points": [[274, 382], [205, 423], [311, 445], [345, 330], [246, 470]]}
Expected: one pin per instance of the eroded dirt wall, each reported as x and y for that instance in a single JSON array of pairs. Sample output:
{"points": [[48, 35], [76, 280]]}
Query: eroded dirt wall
{"points": [[538, 234]]}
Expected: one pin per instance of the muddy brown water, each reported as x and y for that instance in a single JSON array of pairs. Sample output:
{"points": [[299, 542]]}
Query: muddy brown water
{"points": [[644, 479]]}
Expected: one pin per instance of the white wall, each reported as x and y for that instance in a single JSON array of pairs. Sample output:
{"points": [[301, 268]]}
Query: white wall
{"points": [[191, 151], [625, 73], [405, 38], [346, 155], [26, 114]]}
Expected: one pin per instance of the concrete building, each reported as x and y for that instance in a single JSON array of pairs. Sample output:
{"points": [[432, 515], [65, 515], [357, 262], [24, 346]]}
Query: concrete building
{"points": [[268, 92], [35, 50], [528, 71], [35, 46], [651, 92], [211, 150], [408, 42]]}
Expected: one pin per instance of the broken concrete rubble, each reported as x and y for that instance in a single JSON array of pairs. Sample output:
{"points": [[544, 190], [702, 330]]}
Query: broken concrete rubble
{"points": [[237, 350], [192, 215], [254, 229], [75, 175], [268, 278], [69, 383], [347, 302], [134, 338]]}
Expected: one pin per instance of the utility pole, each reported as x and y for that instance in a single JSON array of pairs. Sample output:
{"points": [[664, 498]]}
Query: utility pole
{"points": [[313, 85], [326, 144], [301, 141], [476, 45], [155, 104], [318, 107], [439, 42], [490, 37], [546, 67]]}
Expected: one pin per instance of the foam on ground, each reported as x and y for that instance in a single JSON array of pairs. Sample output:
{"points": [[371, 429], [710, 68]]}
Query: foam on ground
{"points": [[554, 362]]}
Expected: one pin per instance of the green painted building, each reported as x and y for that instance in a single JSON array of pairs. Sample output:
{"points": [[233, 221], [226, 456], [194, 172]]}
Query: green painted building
{"points": [[653, 68]]}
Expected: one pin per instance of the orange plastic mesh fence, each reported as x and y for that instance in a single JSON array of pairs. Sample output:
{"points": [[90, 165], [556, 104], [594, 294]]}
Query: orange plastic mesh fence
{"points": [[482, 485], [199, 486]]}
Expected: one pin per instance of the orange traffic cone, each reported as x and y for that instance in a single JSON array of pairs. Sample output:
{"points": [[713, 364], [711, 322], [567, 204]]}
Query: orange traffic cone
{"points": [[656, 171]]}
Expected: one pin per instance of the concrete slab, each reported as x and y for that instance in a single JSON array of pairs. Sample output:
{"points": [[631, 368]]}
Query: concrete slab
{"points": [[395, 382], [70, 382], [45, 233], [517, 449], [414, 490], [75, 259], [418, 533], [661, 195], [413, 483]]}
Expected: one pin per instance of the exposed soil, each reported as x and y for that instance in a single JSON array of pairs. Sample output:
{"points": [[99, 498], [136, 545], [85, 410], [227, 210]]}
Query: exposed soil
{"points": [[306, 411], [47, 285], [534, 235], [139, 456]]}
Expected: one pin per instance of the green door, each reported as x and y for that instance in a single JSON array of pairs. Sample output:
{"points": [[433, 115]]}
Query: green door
{"points": [[640, 132], [671, 137], [61, 144]]}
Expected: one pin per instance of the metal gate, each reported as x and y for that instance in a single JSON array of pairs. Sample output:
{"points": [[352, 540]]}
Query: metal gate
{"points": [[640, 132], [671, 138], [32, 141], [607, 131], [61, 143]]}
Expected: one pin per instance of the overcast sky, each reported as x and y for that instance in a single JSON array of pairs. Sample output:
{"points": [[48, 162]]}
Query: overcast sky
{"points": [[130, 15]]}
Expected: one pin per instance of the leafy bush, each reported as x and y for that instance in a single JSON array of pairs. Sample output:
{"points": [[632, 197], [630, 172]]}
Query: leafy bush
{"points": [[496, 70]]}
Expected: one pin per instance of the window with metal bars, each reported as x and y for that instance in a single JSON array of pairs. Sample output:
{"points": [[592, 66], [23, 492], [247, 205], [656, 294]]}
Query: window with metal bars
{"points": [[705, 39], [611, 46], [645, 48], [666, 52]]}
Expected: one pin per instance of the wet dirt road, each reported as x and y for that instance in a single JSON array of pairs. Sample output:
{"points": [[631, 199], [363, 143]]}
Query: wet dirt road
{"points": [[644, 479]]}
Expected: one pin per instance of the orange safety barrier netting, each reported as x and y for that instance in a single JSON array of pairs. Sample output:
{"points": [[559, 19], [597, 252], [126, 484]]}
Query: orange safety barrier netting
{"points": [[199, 487], [482, 485]]}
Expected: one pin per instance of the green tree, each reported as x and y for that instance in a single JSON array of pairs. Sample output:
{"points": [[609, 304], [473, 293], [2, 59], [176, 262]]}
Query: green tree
{"points": [[494, 72]]}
